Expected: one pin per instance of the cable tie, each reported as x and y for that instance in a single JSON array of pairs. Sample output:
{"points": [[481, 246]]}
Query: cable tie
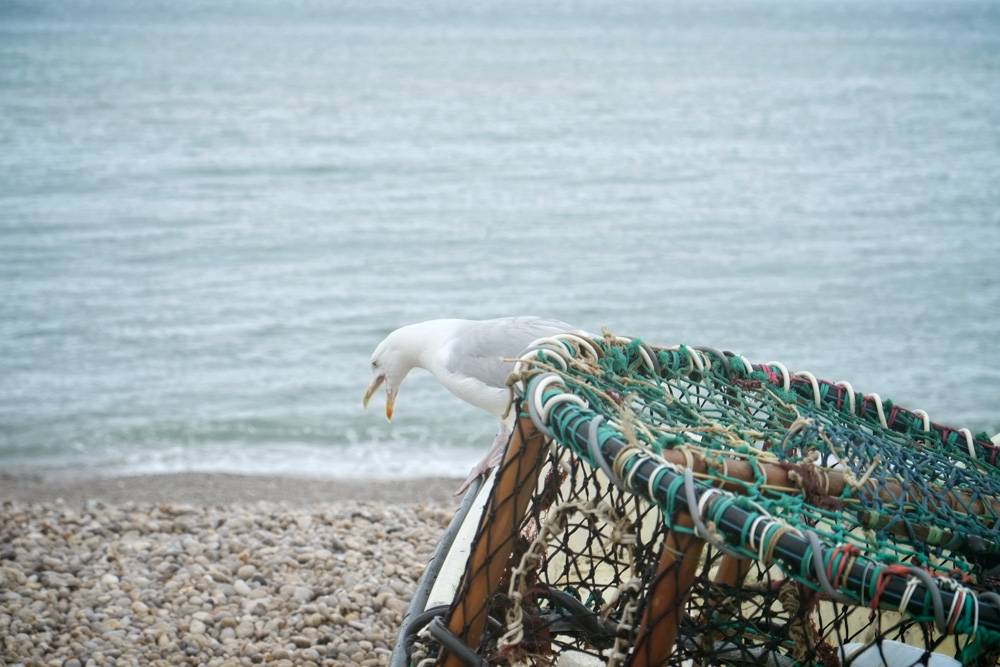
{"points": [[975, 617], [598, 455], [819, 569], [752, 540], [534, 402], [850, 394], [746, 364], [581, 341], [935, 593], [786, 380], [968, 440], [812, 383], [694, 510], [879, 409], [957, 603]]}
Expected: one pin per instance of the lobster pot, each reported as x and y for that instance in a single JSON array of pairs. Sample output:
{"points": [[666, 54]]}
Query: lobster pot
{"points": [[674, 506]]}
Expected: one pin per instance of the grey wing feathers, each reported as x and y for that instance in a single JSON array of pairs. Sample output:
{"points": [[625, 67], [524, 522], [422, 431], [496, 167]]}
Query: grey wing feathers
{"points": [[478, 351]]}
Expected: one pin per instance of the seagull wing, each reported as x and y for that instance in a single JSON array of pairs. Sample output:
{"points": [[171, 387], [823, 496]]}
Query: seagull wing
{"points": [[479, 348]]}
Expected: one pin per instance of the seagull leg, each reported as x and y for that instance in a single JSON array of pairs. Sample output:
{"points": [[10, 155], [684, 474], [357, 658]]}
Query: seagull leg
{"points": [[495, 455], [491, 460]]}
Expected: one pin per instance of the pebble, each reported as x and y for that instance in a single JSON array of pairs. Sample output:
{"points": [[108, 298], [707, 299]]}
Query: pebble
{"points": [[261, 583]]}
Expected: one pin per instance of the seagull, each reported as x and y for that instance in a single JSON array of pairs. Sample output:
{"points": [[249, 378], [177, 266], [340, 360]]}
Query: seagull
{"points": [[467, 357]]}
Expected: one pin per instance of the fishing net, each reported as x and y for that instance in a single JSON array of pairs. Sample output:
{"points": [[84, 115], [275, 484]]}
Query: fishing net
{"points": [[686, 507]]}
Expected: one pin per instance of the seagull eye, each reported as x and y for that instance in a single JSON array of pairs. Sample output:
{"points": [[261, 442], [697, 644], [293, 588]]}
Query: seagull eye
{"points": [[375, 364]]}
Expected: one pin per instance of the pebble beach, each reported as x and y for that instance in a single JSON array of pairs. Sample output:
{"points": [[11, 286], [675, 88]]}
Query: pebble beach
{"points": [[204, 569]]}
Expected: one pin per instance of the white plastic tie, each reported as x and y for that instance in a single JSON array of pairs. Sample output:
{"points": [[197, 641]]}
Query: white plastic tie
{"points": [[904, 600], [786, 378], [642, 352], [703, 502], [850, 395], [879, 409], [562, 398], [549, 347], [969, 440], [697, 362], [751, 541], [539, 390], [530, 356], [814, 383], [975, 616], [580, 341], [957, 605], [746, 364], [653, 478], [554, 355]]}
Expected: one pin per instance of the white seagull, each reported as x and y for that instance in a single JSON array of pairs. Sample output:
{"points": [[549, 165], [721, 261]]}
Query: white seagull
{"points": [[466, 356]]}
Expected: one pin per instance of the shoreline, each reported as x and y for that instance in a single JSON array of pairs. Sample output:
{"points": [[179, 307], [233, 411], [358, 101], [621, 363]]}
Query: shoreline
{"points": [[215, 569], [209, 488]]}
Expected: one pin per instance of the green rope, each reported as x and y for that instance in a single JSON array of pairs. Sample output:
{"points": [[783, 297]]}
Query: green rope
{"points": [[730, 410], [873, 482]]}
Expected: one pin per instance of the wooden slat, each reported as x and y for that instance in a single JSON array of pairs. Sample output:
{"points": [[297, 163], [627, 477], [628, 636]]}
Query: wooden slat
{"points": [[515, 483], [675, 575]]}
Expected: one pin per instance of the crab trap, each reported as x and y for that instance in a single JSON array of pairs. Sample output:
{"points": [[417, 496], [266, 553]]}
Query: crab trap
{"points": [[683, 506]]}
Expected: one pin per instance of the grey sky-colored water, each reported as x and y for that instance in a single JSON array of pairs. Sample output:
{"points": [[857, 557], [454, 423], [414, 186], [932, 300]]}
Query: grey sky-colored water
{"points": [[210, 213]]}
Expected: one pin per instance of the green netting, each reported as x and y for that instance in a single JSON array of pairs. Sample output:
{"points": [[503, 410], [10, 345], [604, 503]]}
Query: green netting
{"points": [[863, 471], [689, 507]]}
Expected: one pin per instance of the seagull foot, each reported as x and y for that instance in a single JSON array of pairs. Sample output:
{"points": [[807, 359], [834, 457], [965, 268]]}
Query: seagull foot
{"points": [[492, 459], [477, 471]]}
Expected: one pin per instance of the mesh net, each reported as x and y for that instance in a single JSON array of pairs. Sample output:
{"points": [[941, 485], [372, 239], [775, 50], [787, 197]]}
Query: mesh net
{"points": [[684, 506]]}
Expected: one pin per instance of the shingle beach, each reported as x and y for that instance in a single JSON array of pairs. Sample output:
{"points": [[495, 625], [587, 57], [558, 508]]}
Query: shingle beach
{"points": [[204, 569]]}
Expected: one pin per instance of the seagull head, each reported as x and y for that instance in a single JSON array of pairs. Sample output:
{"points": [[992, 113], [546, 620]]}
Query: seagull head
{"points": [[391, 361]]}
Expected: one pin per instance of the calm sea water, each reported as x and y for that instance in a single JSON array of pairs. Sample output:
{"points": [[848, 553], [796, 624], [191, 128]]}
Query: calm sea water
{"points": [[210, 212]]}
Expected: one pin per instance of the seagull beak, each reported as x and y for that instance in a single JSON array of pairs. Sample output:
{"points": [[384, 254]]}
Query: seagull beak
{"points": [[390, 398], [390, 395], [372, 388]]}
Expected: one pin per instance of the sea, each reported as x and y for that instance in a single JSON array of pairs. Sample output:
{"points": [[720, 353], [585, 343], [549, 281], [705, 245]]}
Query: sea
{"points": [[211, 211]]}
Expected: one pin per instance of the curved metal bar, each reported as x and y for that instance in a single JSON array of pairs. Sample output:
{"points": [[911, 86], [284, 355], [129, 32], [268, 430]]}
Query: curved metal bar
{"points": [[722, 357], [595, 451], [454, 645], [653, 359]]}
